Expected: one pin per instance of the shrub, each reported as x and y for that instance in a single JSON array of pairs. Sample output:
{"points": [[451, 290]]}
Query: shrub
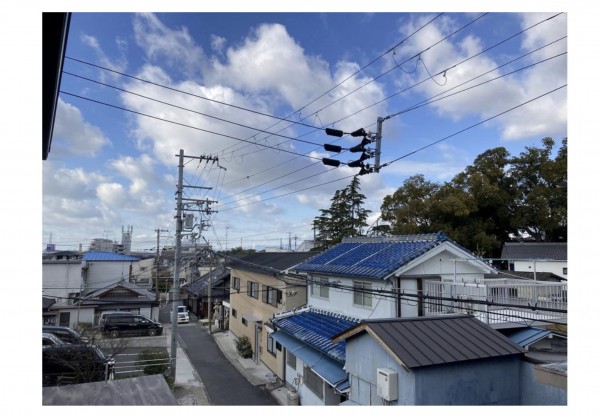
{"points": [[244, 347], [154, 361]]}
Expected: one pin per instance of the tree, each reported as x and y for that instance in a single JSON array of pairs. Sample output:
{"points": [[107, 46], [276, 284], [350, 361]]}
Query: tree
{"points": [[345, 217], [541, 183], [492, 201], [408, 210]]}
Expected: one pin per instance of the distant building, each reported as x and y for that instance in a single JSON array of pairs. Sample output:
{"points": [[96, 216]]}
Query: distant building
{"points": [[536, 257]]}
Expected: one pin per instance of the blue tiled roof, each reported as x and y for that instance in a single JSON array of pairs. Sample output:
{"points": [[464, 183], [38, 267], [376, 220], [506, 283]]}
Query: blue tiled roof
{"points": [[107, 256], [372, 257], [316, 329]]}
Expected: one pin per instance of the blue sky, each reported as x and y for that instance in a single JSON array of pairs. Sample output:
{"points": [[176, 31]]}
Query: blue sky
{"points": [[226, 80]]}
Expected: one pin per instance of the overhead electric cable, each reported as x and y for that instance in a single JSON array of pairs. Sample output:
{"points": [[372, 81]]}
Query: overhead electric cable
{"points": [[181, 124]]}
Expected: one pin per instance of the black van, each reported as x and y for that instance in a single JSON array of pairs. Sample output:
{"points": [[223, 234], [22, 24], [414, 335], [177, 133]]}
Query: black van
{"points": [[117, 325], [66, 334], [75, 364]]}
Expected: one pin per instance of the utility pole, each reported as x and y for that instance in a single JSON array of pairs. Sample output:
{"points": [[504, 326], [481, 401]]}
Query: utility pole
{"points": [[210, 298], [177, 264], [158, 258], [175, 288]]}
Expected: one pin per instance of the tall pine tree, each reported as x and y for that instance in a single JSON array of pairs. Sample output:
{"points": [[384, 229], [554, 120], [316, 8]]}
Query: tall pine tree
{"points": [[346, 216]]}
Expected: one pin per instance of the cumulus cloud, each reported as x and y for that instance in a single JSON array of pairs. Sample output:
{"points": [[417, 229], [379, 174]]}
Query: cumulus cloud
{"points": [[499, 95], [175, 48], [73, 135]]}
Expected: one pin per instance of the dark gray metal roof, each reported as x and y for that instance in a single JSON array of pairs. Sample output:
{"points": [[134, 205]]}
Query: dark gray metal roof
{"points": [[275, 261], [535, 250], [200, 286], [538, 276], [142, 390], [426, 341]]}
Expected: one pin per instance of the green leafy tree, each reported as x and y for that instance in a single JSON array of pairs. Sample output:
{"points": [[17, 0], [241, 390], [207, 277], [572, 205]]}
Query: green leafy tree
{"points": [[541, 192], [346, 217], [408, 210], [495, 199]]}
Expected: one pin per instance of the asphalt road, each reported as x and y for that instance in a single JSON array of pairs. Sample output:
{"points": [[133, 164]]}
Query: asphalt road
{"points": [[223, 382]]}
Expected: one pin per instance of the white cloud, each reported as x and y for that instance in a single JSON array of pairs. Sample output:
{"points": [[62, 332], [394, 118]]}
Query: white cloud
{"points": [[217, 43], [73, 135], [175, 48], [545, 117]]}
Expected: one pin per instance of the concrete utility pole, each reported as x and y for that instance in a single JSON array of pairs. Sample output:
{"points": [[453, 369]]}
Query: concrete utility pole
{"points": [[177, 264], [158, 258], [175, 288]]}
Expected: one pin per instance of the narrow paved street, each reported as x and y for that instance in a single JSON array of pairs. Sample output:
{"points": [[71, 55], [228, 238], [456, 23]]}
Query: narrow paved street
{"points": [[223, 382]]}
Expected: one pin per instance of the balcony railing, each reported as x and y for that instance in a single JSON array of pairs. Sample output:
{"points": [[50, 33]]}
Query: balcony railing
{"points": [[499, 302]]}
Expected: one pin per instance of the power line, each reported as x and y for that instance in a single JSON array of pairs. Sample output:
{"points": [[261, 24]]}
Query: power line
{"points": [[181, 124], [473, 126]]}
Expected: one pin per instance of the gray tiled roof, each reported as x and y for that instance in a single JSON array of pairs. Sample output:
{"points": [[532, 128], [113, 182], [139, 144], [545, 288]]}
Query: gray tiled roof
{"points": [[200, 286], [143, 390], [535, 250], [275, 261], [426, 341]]}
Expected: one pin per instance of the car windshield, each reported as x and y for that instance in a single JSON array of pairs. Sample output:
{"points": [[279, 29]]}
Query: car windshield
{"points": [[99, 352]]}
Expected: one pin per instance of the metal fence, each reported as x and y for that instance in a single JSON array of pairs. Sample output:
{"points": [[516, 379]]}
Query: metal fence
{"points": [[498, 301]]}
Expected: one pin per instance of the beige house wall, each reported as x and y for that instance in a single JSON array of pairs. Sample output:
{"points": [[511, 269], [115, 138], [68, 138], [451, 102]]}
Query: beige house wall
{"points": [[245, 306]]}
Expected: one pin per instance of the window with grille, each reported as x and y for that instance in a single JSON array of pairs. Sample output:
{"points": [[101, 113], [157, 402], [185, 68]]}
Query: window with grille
{"points": [[313, 382], [253, 289], [271, 346], [291, 360], [320, 288], [271, 295], [362, 294]]}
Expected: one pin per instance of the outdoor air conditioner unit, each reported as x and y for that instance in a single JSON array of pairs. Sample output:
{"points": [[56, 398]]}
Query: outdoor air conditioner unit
{"points": [[387, 384]]}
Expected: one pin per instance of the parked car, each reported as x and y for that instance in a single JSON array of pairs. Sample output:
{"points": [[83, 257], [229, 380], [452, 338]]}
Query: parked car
{"points": [[48, 339], [117, 325], [105, 314], [183, 316], [66, 334], [75, 364]]}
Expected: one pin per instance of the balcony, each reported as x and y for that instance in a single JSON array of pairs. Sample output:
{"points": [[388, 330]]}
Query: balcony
{"points": [[501, 303]]}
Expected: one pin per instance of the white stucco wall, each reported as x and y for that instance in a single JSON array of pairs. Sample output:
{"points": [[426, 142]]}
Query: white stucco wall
{"points": [[61, 278], [101, 274], [555, 267]]}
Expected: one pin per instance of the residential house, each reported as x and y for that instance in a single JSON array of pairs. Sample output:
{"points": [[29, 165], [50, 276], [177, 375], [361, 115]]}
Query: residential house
{"points": [[535, 257], [62, 277], [143, 273], [454, 360], [259, 288], [424, 275], [104, 268], [198, 294], [386, 277], [544, 366], [310, 363]]}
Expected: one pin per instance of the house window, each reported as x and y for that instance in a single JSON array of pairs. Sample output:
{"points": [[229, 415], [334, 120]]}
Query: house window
{"points": [[244, 322], [270, 346], [291, 360], [278, 346], [362, 294], [253, 289], [320, 288], [234, 312], [271, 296], [313, 382], [564, 271], [236, 283]]}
